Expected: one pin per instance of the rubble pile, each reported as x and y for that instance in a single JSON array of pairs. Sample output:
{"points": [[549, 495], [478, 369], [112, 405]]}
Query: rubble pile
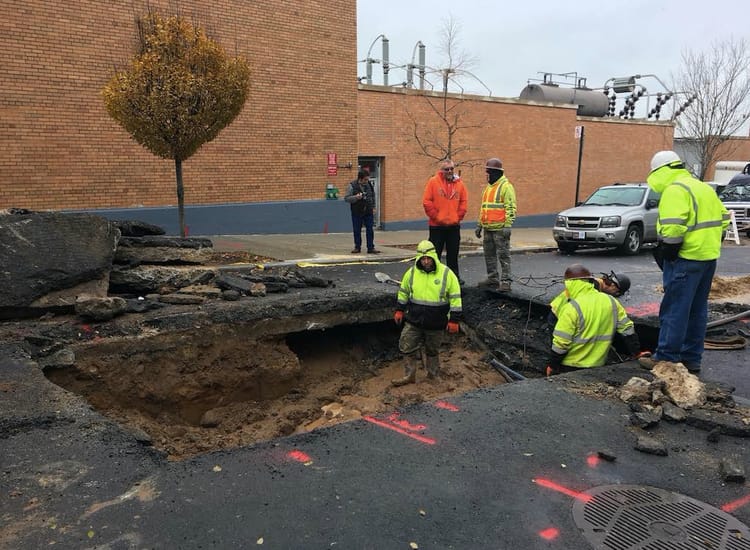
{"points": [[99, 269]]}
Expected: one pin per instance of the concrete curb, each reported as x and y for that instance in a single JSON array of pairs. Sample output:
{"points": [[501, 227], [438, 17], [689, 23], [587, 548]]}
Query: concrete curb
{"points": [[382, 258]]}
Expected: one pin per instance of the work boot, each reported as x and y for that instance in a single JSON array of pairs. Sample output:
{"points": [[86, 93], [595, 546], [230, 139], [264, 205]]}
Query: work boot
{"points": [[647, 361], [694, 368], [504, 286], [410, 376], [432, 364], [488, 283]]}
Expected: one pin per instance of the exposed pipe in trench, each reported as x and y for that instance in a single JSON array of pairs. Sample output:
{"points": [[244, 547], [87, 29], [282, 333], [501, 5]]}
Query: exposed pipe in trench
{"points": [[725, 320], [505, 370]]}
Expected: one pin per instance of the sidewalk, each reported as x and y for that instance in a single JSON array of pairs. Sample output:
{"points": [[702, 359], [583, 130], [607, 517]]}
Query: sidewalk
{"points": [[394, 245]]}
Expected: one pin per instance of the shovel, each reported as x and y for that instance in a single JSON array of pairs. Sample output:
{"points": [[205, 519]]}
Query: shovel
{"points": [[385, 278]]}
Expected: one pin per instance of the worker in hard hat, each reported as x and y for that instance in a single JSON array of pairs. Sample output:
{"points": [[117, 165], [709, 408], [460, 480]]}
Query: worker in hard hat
{"points": [[497, 212], [690, 224], [610, 283], [587, 324], [428, 303]]}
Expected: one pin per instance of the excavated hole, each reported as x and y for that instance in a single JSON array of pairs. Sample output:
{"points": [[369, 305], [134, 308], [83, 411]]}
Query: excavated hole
{"points": [[219, 387]]}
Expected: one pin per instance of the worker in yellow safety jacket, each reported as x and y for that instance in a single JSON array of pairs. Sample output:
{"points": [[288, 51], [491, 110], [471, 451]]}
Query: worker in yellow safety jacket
{"points": [[690, 224], [497, 212], [428, 303], [610, 283], [586, 327]]}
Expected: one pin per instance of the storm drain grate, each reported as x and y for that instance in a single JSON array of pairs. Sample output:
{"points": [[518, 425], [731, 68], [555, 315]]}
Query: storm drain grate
{"points": [[629, 517]]}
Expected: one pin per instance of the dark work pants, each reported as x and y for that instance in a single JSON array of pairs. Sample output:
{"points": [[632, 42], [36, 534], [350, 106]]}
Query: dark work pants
{"points": [[448, 237], [357, 223]]}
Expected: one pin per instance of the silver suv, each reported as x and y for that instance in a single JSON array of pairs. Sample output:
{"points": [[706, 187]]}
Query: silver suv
{"points": [[621, 216]]}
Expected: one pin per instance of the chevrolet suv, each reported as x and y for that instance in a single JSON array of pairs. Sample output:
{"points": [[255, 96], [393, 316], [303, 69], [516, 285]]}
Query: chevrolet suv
{"points": [[621, 216]]}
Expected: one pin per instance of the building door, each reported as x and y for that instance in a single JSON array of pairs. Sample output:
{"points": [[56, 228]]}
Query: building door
{"points": [[373, 165]]}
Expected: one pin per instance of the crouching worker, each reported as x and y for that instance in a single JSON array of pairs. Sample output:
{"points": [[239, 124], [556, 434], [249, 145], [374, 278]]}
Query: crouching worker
{"points": [[610, 283], [429, 302], [587, 325]]}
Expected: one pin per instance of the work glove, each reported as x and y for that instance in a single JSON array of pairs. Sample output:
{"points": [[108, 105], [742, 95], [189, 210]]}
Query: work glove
{"points": [[549, 371], [398, 317], [671, 251], [478, 232], [452, 327]]}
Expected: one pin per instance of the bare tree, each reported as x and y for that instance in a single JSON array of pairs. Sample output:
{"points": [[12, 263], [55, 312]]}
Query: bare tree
{"points": [[718, 80], [438, 136], [179, 91]]}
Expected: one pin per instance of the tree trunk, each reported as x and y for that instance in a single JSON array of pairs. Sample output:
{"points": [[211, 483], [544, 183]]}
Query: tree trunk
{"points": [[180, 196]]}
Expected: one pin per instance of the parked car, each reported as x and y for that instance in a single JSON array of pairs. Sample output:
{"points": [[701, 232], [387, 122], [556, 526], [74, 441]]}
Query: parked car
{"points": [[622, 216], [736, 197]]}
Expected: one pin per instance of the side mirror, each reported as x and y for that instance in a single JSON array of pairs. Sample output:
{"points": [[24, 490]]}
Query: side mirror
{"points": [[651, 203]]}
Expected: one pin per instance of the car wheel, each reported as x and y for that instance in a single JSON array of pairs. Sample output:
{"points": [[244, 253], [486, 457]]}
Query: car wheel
{"points": [[566, 248], [633, 240]]}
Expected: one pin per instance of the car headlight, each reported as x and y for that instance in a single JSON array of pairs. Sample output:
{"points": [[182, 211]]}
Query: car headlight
{"points": [[561, 221], [610, 221]]}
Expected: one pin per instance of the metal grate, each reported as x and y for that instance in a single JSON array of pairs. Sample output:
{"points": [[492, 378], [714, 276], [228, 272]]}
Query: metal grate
{"points": [[637, 517]]}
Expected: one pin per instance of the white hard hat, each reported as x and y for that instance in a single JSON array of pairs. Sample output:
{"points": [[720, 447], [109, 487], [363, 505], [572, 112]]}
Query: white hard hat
{"points": [[662, 158]]}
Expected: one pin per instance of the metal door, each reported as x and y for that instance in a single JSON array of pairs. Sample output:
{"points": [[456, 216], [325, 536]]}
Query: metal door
{"points": [[373, 165]]}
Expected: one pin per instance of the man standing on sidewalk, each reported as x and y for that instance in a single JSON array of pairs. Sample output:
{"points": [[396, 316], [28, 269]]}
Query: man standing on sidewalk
{"points": [[690, 224], [361, 197], [444, 201], [497, 213]]}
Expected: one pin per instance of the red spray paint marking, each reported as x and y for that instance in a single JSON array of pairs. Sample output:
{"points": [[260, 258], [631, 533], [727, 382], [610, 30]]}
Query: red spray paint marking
{"points": [[299, 456], [325, 228], [550, 533], [396, 421], [447, 406], [739, 503], [384, 424], [643, 310], [593, 461], [187, 230], [564, 490]]}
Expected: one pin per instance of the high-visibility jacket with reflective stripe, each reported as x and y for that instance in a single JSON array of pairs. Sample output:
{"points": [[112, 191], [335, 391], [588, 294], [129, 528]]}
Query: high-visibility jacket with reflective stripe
{"points": [[690, 213], [498, 208], [430, 299], [587, 324]]}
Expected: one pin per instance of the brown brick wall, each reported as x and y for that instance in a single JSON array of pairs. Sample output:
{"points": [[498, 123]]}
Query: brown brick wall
{"points": [[60, 150], [535, 142]]}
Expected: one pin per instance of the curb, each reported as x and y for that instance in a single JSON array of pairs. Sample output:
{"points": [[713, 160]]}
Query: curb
{"points": [[385, 258]]}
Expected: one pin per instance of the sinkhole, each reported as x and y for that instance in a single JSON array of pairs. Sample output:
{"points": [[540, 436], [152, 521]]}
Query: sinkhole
{"points": [[222, 386]]}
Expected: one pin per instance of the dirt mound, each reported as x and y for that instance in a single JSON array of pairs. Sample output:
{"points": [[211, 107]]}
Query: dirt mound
{"points": [[726, 287]]}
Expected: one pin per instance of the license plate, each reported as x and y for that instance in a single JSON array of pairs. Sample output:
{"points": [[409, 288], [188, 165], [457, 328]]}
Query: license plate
{"points": [[578, 235]]}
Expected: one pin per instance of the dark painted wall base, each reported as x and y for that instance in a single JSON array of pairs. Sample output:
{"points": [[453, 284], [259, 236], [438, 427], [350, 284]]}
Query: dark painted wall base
{"points": [[314, 216]]}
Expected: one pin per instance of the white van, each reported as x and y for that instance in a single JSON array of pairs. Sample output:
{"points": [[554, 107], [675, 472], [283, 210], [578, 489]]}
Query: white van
{"points": [[726, 169]]}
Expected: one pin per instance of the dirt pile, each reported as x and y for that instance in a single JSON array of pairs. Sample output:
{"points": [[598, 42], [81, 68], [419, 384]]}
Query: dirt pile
{"points": [[730, 287]]}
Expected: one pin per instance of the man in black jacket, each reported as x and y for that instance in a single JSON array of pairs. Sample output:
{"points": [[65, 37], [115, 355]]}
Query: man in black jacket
{"points": [[361, 197]]}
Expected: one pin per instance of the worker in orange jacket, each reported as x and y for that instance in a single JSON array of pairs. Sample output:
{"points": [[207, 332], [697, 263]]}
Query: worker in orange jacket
{"points": [[444, 201]]}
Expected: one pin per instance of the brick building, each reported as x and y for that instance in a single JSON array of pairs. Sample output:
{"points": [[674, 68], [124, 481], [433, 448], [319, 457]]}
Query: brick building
{"points": [[268, 171]]}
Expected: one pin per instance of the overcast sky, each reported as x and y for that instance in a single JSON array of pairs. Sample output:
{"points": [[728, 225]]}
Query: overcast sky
{"points": [[514, 42]]}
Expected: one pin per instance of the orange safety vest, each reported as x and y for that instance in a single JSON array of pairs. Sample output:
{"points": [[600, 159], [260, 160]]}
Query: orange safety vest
{"points": [[492, 212]]}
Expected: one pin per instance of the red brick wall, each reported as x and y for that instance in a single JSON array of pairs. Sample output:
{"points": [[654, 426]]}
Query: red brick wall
{"points": [[535, 142], [60, 150]]}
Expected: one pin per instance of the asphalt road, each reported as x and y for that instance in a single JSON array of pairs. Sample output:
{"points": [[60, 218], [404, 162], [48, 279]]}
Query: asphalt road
{"points": [[504, 468]]}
